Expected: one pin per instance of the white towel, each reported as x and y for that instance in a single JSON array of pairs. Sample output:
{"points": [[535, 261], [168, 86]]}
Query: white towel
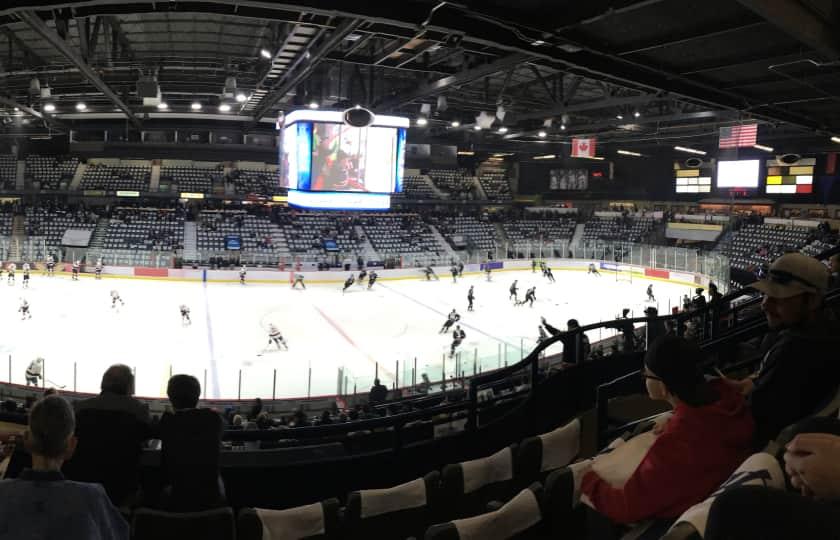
{"points": [[490, 470], [618, 466], [758, 470], [292, 524], [382, 501], [518, 515], [559, 447]]}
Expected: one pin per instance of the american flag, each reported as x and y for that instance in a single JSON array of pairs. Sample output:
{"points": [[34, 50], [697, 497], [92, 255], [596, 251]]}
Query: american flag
{"points": [[735, 136]]}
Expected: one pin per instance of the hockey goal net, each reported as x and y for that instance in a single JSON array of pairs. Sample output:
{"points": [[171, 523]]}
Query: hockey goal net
{"points": [[624, 275]]}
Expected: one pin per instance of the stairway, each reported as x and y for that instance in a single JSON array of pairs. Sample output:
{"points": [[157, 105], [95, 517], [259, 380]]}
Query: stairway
{"points": [[578, 236], [479, 189], [190, 241], [439, 193], [18, 238], [77, 176], [450, 253], [368, 252], [154, 178], [97, 239], [20, 175]]}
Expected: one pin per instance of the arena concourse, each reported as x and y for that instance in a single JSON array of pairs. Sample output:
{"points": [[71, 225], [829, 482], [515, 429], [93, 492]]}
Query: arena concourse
{"points": [[509, 271]]}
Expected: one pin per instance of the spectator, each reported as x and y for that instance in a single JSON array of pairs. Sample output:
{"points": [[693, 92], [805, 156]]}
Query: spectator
{"points": [[425, 384], [834, 268], [798, 373], [40, 503], [256, 409], [570, 341], [190, 447], [378, 393], [707, 436], [655, 328], [116, 389]]}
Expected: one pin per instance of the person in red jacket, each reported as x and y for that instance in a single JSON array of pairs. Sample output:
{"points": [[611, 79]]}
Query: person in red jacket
{"points": [[704, 440]]}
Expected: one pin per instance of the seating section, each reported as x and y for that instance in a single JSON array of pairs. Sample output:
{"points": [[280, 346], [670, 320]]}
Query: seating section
{"points": [[622, 229], [526, 230], [496, 185], [135, 234], [260, 182], [116, 177], [400, 233], [455, 182], [7, 217], [46, 226], [8, 170], [51, 172], [755, 245], [305, 234], [416, 187], [190, 179], [260, 236], [476, 234]]}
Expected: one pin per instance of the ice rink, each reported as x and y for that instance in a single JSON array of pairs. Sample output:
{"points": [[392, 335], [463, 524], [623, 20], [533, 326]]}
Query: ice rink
{"points": [[75, 329]]}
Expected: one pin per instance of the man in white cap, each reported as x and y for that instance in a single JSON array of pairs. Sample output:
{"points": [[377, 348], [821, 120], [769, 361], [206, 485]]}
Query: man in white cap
{"points": [[800, 371]]}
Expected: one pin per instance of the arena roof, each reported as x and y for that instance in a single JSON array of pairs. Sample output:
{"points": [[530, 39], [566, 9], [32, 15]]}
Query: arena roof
{"points": [[631, 71]]}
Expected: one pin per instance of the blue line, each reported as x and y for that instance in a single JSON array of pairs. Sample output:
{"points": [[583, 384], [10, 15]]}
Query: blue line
{"points": [[441, 313], [214, 374]]}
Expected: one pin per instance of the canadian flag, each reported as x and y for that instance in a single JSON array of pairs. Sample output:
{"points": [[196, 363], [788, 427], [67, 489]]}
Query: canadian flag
{"points": [[583, 147]]}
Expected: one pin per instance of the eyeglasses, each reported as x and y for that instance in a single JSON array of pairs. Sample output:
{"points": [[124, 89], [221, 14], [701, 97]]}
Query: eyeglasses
{"points": [[783, 277], [646, 376]]}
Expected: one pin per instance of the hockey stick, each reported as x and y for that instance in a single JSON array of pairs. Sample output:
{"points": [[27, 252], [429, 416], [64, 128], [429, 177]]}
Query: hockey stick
{"points": [[59, 386]]}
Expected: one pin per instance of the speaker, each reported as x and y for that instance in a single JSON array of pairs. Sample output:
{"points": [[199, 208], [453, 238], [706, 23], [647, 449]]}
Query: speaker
{"points": [[693, 162], [358, 117]]}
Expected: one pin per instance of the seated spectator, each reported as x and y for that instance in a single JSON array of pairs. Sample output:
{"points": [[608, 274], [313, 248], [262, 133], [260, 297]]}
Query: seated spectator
{"points": [[190, 447], [116, 389], [799, 372], [40, 503], [705, 439], [812, 463], [378, 393]]}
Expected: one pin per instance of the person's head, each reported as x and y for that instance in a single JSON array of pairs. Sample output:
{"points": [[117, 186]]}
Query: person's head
{"points": [[49, 436], [793, 290], [698, 290], [237, 420], [651, 311], [671, 372], [712, 288], [50, 392], [183, 391], [118, 379], [375, 382], [572, 324]]}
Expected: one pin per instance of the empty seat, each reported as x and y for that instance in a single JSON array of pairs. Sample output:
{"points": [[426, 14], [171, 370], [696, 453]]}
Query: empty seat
{"points": [[313, 521], [467, 487], [217, 524], [538, 456]]}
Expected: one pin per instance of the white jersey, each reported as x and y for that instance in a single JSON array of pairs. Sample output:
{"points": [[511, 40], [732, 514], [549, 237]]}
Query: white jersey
{"points": [[12, 267], [274, 333], [26, 267], [115, 294]]}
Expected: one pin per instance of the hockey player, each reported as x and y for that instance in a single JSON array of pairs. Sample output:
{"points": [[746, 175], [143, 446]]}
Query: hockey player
{"points": [[457, 338], [372, 279], [362, 275], [348, 282], [533, 266], [11, 269], [98, 269], [430, 273], [299, 279], [454, 272], [487, 270], [185, 315], [451, 319], [460, 269], [24, 310], [650, 296], [25, 275], [549, 274], [513, 291], [76, 266], [593, 270], [50, 263], [34, 372], [470, 298], [274, 336], [242, 273], [115, 297], [530, 296]]}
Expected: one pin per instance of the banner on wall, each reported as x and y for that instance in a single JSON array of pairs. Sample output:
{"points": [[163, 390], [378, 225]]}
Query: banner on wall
{"points": [[584, 148]]}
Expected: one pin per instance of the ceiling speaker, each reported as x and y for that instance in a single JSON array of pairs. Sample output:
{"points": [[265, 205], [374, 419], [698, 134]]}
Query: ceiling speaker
{"points": [[358, 117], [693, 162], [789, 159]]}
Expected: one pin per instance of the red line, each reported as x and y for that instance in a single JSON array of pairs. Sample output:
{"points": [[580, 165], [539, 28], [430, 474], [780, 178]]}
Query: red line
{"points": [[353, 343]]}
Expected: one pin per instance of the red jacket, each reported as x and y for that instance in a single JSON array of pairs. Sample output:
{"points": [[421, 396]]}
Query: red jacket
{"points": [[698, 449]]}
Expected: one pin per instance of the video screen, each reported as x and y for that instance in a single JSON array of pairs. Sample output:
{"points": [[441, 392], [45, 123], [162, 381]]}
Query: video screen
{"points": [[345, 158], [790, 179], [738, 174], [568, 179], [288, 157]]}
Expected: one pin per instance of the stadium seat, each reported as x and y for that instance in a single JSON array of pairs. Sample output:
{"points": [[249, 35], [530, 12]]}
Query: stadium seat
{"points": [[319, 521], [468, 487], [520, 519], [538, 456], [218, 524], [399, 512]]}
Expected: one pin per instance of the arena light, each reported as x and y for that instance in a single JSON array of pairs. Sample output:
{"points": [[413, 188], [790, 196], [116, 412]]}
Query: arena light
{"points": [[224, 107], [835, 139], [265, 53], [455, 123], [49, 107], [762, 147], [196, 106], [477, 127], [241, 97], [542, 134], [313, 105], [628, 153], [466, 153], [619, 117], [503, 129], [563, 127], [80, 106], [546, 156], [637, 114], [422, 121], [162, 106], [689, 150], [596, 158]]}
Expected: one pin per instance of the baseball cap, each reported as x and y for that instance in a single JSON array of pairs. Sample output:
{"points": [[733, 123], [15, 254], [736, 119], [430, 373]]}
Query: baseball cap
{"points": [[792, 274]]}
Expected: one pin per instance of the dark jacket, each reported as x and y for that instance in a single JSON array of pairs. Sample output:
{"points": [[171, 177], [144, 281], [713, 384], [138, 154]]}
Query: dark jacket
{"points": [[799, 374]]}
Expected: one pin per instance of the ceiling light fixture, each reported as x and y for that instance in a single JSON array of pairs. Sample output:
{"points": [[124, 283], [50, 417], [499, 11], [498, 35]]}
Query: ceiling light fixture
{"points": [[80, 106], [224, 107], [628, 153], [265, 53], [542, 134], [547, 156], [835, 139], [637, 114], [762, 147], [313, 105], [466, 153], [690, 150], [455, 123], [503, 129], [422, 121], [619, 117], [563, 127], [49, 107], [162, 106], [477, 127], [196, 106], [597, 158], [241, 97]]}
